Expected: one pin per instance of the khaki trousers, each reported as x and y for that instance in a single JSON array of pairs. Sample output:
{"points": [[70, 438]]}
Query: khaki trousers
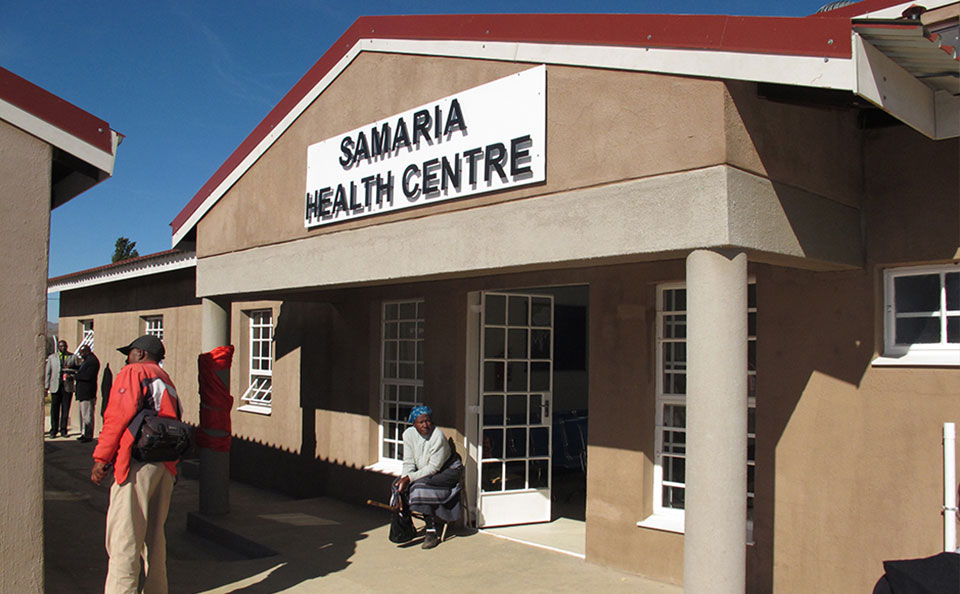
{"points": [[138, 510]]}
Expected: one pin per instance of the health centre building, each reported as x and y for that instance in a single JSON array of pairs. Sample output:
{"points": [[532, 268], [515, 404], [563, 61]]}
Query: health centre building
{"points": [[689, 281]]}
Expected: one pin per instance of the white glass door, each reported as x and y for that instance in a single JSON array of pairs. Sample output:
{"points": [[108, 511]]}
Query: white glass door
{"points": [[516, 386]]}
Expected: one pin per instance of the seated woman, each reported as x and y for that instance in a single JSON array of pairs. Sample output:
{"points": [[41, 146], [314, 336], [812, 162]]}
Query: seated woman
{"points": [[430, 481]]}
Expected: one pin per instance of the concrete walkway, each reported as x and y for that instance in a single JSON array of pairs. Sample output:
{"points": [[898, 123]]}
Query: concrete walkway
{"points": [[272, 543]]}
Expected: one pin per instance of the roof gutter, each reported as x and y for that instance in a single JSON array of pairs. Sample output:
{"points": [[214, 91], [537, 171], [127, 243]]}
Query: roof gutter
{"points": [[882, 53]]}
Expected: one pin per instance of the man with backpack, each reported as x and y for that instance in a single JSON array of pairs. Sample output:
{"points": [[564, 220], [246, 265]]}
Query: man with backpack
{"points": [[140, 495]]}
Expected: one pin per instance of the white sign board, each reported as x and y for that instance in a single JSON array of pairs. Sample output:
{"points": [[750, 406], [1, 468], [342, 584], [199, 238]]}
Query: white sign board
{"points": [[485, 139]]}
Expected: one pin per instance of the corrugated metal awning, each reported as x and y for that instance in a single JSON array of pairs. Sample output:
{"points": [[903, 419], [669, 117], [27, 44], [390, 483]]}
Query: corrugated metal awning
{"points": [[931, 57]]}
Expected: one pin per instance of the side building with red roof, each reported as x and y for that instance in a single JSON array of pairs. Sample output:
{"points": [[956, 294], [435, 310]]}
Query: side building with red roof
{"points": [[50, 152], [154, 294]]}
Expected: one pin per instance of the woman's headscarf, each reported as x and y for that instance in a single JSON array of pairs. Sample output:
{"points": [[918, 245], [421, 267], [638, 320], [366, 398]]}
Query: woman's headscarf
{"points": [[422, 409]]}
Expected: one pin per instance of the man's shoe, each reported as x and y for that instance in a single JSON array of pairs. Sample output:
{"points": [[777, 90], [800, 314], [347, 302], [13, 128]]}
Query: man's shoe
{"points": [[431, 541]]}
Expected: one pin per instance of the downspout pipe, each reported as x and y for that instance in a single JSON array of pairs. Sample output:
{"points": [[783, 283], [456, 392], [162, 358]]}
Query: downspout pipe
{"points": [[949, 487]]}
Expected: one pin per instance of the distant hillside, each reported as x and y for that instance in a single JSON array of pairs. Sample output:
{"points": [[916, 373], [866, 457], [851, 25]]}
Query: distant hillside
{"points": [[52, 328]]}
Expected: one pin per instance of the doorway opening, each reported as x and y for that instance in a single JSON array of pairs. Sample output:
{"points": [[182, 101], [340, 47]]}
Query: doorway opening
{"points": [[571, 403]]}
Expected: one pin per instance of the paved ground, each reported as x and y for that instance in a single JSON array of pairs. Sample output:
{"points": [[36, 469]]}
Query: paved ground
{"points": [[315, 545]]}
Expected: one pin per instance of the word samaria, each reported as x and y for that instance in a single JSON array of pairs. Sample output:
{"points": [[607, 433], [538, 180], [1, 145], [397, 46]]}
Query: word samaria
{"points": [[381, 145]]}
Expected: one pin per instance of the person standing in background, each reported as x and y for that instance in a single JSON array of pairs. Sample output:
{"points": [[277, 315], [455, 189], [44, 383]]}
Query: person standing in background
{"points": [[106, 382], [86, 388], [51, 383], [67, 364]]}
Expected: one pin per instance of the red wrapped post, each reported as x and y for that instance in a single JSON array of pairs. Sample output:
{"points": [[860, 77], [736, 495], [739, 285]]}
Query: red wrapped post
{"points": [[215, 400]]}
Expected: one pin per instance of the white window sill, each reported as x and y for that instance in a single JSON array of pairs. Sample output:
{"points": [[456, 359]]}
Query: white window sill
{"points": [[387, 466], [256, 408], [675, 524], [920, 359], [665, 523]]}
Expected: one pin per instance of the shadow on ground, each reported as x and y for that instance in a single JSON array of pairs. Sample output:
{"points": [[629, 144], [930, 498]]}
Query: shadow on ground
{"points": [[293, 540]]}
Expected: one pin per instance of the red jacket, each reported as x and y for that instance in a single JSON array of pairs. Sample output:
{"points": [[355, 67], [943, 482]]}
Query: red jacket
{"points": [[143, 382]]}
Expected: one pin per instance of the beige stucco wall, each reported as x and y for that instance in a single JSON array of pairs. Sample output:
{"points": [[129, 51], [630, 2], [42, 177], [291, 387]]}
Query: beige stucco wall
{"points": [[812, 148], [117, 310], [913, 190], [682, 122], [852, 471], [25, 165], [635, 220], [781, 181]]}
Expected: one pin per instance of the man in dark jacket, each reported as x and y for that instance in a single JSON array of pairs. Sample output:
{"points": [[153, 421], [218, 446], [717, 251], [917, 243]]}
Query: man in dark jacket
{"points": [[86, 384]]}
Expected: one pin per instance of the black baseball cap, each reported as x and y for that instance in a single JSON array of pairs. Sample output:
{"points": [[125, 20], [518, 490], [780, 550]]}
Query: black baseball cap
{"points": [[148, 343]]}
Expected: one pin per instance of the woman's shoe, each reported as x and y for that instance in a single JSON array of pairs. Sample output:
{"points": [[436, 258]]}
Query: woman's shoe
{"points": [[431, 541]]}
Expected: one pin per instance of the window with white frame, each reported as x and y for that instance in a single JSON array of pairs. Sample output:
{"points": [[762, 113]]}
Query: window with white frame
{"points": [[153, 325], [922, 314], [258, 396], [86, 334], [401, 379], [671, 415]]}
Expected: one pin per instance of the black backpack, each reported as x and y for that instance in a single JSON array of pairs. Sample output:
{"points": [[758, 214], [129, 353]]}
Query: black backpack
{"points": [[159, 439]]}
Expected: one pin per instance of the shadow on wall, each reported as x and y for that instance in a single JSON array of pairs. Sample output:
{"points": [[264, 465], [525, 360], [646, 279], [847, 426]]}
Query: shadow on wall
{"points": [[332, 339], [817, 151], [170, 289], [807, 322]]}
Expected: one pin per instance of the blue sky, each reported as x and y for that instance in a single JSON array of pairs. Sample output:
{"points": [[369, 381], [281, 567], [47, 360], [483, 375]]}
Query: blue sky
{"points": [[185, 82]]}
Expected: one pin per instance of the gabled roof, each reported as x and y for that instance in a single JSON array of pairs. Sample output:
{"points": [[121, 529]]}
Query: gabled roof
{"points": [[84, 137], [815, 51], [156, 263]]}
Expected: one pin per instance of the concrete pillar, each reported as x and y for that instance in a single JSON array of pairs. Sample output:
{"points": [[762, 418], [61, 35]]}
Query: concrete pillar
{"points": [[25, 165], [214, 466], [714, 548]]}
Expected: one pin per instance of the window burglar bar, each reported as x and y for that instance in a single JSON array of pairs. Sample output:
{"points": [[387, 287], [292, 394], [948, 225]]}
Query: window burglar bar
{"points": [[401, 379], [87, 339], [153, 325], [261, 359], [670, 469]]}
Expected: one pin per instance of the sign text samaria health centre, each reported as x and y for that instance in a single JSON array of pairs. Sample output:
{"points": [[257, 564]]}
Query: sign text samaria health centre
{"points": [[485, 139]]}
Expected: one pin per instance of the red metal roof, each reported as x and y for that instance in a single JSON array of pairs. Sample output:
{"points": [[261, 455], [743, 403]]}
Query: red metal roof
{"points": [[826, 36], [55, 111]]}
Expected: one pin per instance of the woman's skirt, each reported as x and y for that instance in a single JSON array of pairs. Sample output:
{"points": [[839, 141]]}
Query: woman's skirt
{"points": [[435, 495]]}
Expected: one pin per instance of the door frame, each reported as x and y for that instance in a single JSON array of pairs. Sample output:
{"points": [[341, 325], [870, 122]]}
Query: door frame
{"points": [[537, 501]]}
